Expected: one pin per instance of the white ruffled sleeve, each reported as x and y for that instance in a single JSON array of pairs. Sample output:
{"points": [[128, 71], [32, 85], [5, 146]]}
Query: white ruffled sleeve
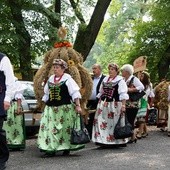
{"points": [[138, 84], [122, 90], [19, 89], [151, 94], [73, 89], [6, 67], [46, 92]]}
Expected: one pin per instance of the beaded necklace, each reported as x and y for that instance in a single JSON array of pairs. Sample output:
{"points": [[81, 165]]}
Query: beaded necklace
{"points": [[57, 81]]}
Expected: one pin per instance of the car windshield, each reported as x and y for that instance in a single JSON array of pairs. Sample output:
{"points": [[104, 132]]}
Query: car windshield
{"points": [[29, 91]]}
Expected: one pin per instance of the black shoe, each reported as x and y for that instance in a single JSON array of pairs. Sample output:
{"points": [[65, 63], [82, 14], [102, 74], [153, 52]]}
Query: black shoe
{"points": [[66, 153], [48, 155], [163, 129], [144, 135], [15, 149], [132, 140]]}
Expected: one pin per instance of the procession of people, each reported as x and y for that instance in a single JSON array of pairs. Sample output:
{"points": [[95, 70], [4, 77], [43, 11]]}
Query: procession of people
{"points": [[120, 99]]}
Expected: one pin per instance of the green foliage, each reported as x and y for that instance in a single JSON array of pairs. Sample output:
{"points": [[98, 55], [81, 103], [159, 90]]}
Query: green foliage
{"points": [[125, 35], [114, 34], [36, 19], [152, 38], [37, 26]]}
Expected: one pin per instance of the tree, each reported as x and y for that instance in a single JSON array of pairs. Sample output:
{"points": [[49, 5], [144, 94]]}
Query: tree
{"points": [[137, 28], [116, 36], [30, 20], [152, 38]]}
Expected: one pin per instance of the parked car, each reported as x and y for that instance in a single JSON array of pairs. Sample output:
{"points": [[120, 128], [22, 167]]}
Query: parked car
{"points": [[29, 103]]}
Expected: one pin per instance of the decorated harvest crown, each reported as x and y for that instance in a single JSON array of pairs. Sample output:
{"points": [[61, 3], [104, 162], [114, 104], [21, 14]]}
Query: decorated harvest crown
{"points": [[63, 51], [62, 33]]}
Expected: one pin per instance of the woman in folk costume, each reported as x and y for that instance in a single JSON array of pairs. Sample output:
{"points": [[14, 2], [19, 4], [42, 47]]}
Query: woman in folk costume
{"points": [[112, 99], [134, 85], [144, 105], [62, 99], [162, 102], [14, 125], [64, 50]]}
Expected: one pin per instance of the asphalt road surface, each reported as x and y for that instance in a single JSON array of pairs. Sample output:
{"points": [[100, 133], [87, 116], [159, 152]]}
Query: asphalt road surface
{"points": [[151, 153]]}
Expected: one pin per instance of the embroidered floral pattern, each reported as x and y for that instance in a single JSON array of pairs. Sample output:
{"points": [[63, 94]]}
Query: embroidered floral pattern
{"points": [[103, 125], [55, 134], [47, 140], [110, 115], [14, 128], [61, 140], [110, 138], [95, 122], [99, 111], [62, 120], [55, 131], [96, 134], [42, 127]]}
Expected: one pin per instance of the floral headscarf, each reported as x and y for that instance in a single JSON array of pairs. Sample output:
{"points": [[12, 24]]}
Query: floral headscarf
{"points": [[60, 62]]}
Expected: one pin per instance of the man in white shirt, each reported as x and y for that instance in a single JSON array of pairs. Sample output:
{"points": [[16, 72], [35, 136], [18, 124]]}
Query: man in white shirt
{"points": [[7, 91], [92, 103]]}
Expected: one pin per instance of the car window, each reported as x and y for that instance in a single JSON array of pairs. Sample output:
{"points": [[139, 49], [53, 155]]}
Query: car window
{"points": [[29, 91]]}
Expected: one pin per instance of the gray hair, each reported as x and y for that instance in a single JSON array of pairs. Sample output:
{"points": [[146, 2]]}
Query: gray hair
{"points": [[128, 67], [97, 65]]}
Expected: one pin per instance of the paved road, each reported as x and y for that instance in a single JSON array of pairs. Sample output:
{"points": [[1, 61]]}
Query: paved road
{"points": [[151, 153]]}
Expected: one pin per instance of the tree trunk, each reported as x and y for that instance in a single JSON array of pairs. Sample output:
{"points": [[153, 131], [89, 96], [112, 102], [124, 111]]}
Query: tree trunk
{"points": [[58, 11], [164, 64], [24, 40], [87, 34]]}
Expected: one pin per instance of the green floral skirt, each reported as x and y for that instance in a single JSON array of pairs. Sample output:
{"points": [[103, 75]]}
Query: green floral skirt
{"points": [[55, 128], [15, 128]]}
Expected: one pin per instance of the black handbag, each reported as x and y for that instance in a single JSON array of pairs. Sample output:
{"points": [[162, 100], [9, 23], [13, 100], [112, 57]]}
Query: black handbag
{"points": [[136, 95], [123, 132], [79, 135]]}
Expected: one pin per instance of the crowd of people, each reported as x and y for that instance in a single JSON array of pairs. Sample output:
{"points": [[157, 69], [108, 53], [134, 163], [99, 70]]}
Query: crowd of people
{"points": [[111, 99]]}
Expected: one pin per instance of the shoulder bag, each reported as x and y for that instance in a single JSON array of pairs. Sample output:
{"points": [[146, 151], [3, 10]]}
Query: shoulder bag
{"points": [[79, 135], [121, 132], [135, 96]]}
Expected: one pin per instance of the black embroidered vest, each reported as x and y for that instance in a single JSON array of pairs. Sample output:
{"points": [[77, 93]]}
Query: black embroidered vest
{"points": [[58, 94], [110, 91]]}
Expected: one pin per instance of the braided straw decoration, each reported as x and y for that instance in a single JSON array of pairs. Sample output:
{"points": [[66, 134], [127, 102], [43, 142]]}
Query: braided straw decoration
{"points": [[75, 69], [161, 95], [74, 72], [62, 32], [163, 103]]}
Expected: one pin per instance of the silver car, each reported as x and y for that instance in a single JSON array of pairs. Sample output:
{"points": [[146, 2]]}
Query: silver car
{"points": [[29, 103]]}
